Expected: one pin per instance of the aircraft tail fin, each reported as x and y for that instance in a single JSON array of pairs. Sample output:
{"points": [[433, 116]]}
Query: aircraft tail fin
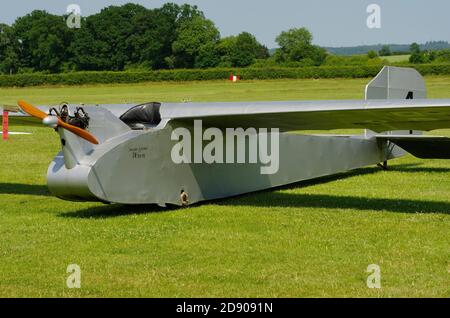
{"points": [[397, 83]]}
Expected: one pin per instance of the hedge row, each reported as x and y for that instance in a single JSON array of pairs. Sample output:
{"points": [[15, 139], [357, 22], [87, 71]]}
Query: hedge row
{"points": [[80, 78]]}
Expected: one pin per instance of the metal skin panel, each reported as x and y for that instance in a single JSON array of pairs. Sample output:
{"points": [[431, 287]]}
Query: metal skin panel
{"points": [[396, 83], [140, 170], [69, 184]]}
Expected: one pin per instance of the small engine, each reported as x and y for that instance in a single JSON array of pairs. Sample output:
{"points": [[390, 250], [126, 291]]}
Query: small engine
{"points": [[79, 119]]}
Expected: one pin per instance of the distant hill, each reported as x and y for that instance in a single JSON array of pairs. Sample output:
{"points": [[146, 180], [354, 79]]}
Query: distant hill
{"points": [[363, 49]]}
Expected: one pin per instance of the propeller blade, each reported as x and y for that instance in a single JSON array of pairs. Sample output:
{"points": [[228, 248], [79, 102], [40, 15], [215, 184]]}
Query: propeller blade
{"points": [[78, 131], [35, 112], [31, 110]]}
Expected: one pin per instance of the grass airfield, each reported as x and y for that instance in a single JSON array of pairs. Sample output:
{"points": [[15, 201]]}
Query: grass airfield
{"points": [[311, 239]]}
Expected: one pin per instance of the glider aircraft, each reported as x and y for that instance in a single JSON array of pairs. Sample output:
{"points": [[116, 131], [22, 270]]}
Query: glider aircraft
{"points": [[125, 153]]}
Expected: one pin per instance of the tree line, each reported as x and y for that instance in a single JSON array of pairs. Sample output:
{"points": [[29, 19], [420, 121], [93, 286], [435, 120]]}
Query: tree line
{"points": [[396, 49], [134, 37], [417, 55]]}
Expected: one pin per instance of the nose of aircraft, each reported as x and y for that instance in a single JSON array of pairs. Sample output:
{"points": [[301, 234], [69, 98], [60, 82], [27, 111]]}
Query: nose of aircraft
{"points": [[69, 184]]}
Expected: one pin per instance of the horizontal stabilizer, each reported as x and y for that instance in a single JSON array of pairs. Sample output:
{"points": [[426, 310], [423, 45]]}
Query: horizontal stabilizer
{"points": [[424, 147]]}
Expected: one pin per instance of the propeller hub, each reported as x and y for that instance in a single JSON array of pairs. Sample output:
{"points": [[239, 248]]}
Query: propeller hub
{"points": [[50, 121]]}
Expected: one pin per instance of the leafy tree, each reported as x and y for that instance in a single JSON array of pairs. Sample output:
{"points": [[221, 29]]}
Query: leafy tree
{"points": [[414, 48], [241, 50], [417, 57], [423, 57], [296, 45], [132, 36], [151, 38], [186, 13], [128, 37], [385, 51], [442, 56], [372, 54], [247, 49], [192, 35], [175, 15], [43, 41], [9, 59], [106, 42], [319, 55], [226, 47], [208, 56]]}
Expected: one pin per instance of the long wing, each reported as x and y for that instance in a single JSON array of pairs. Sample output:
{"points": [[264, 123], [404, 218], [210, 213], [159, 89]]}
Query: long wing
{"points": [[377, 115]]}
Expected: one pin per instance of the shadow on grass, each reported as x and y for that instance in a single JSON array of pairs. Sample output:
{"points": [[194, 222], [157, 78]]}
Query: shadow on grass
{"points": [[410, 167], [115, 210], [269, 198], [325, 201], [401, 168], [26, 189], [25, 121]]}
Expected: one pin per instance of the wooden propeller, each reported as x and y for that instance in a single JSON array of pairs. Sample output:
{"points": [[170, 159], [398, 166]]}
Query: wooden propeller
{"points": [[35, 112]]}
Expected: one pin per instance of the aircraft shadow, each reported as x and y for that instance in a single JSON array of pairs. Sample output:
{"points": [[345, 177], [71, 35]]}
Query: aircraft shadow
{"points": [[25, 189], [278, 199], [115, 210], [420, 169], [25, 121]]}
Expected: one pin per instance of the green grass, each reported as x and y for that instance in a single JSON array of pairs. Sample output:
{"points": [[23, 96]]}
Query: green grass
{"points": [[397, 58], [311, 239], [287, 89]]}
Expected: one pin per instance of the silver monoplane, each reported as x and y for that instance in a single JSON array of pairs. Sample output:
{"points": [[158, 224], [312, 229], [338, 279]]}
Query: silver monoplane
{"points": [[140, 154]]}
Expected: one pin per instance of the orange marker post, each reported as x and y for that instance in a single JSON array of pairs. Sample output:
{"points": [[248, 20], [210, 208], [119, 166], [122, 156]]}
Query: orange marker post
{"points": [[5, 125]]}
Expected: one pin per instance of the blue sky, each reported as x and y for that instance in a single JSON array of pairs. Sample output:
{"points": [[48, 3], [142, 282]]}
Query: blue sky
{"points": [[333, 23]]}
